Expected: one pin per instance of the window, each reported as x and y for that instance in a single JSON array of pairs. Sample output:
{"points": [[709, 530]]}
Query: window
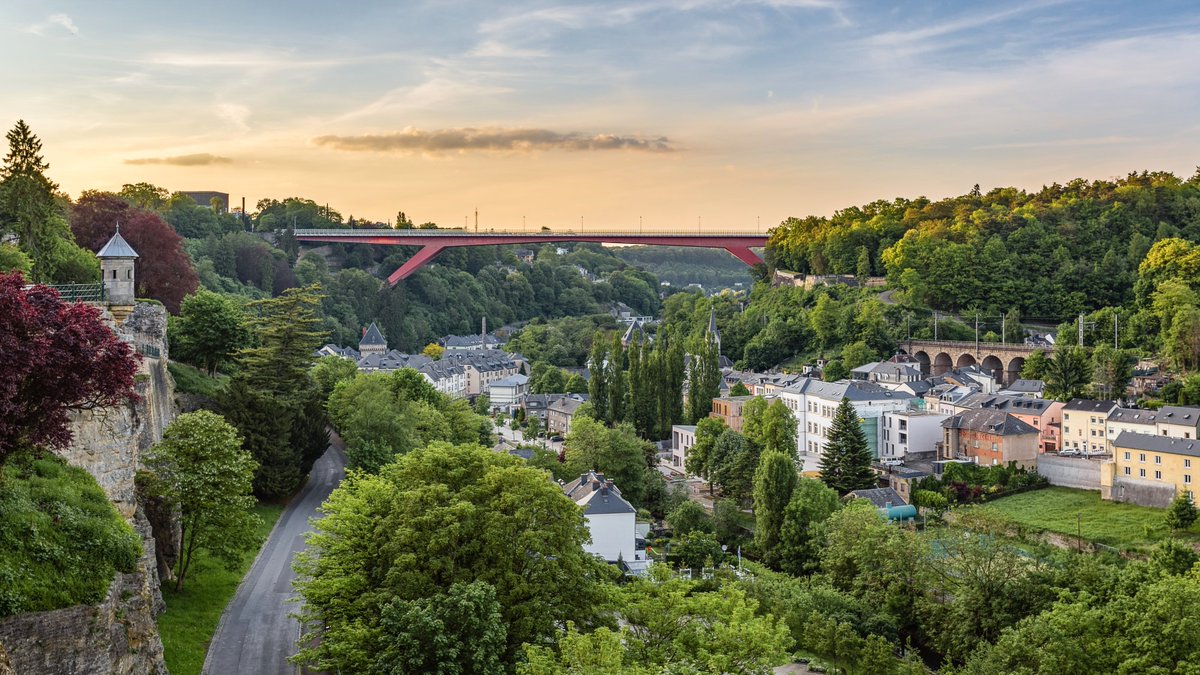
{"points": [[1127, 471], [1187, 463], [1157, 475], [1066, 430], [1142, 473], [903, 438], [1127, 456], [1187, 477], [1158, 459], [903, 425], [1093, 432], [1141, 457]]}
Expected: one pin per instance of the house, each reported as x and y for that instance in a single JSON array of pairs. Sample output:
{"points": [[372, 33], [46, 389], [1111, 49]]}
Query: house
{"points": [[988, 437], [483, 367], [910, 433], [728, 409], [446, 377], [972, 376], [1030, 388], [610, 519], [683, 437], [560, 413], [525, 255], [1150, 469], [886, 501], [1178, 422], [537, 405], [331, 349], [509, 392], [887, 372], [471, 342], [903, 478], [1044, 415], [372, 341], [813, 403], [1084, 425]]}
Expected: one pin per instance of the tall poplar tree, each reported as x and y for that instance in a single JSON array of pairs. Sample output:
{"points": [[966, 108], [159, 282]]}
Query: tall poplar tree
{"points": [[598, 382], [616, 382], [846, 462], [774, 482], [704, 380]]}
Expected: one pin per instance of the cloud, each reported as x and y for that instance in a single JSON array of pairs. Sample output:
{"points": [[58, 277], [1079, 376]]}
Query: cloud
{"points": [[198, 159], [494, 139], [60, 20], [235, 114]]}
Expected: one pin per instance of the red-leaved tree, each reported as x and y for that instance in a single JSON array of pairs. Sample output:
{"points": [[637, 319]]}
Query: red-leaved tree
{"points": [[57, 357], [163, 270]]}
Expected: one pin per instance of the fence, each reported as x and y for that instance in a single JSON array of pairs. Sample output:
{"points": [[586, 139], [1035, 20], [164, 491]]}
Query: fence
{"points": [[80, 292]]}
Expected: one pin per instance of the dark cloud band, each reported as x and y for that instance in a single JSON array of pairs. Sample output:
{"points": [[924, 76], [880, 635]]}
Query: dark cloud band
{"points": [[490, 139], [200, 159]]}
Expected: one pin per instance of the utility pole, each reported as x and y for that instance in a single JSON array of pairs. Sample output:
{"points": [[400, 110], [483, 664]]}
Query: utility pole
{"points": [[1003, 329], [935, 325], [1116, 333], [476, 220], [976, 335], [1080, 321]]}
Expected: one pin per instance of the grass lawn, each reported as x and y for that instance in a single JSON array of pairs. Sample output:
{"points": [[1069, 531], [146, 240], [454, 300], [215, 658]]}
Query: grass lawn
{"points": [[191, 380], [192, 614], [1125, 526]]}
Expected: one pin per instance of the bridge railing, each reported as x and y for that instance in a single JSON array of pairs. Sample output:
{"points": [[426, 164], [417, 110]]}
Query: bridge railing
{"points": [[510, 233], [79, 292], [960, 344]]}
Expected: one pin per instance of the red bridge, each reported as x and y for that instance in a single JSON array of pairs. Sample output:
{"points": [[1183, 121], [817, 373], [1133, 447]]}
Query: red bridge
{"points": [[433, 241]]}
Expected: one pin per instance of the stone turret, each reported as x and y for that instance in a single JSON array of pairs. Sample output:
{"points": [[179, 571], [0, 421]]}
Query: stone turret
{"points": [[116, 267]]}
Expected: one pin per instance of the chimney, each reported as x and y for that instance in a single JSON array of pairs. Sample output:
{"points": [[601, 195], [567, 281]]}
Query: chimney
{"points": [[364, 331]]}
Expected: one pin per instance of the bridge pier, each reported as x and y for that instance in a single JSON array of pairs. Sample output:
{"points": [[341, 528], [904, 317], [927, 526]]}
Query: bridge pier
{"points": [[414, 263], [1002, 361]]}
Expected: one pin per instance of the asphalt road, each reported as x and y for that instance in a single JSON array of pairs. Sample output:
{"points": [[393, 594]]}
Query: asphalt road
{"points": [[256, 636]]}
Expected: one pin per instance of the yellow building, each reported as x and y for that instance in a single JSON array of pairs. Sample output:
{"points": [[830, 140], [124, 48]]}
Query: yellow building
{"points": [[1150, 470], [1084, 424]]}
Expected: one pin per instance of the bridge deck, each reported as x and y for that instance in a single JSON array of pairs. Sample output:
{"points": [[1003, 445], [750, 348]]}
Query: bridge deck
{"points": [[433, 241]]}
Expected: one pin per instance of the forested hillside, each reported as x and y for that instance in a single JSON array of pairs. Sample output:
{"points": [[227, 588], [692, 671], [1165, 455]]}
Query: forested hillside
{"points": [[713, 269]]}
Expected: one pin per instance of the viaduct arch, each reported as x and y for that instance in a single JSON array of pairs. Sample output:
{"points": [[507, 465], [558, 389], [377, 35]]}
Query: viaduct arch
{"points": [[1003, 361]]}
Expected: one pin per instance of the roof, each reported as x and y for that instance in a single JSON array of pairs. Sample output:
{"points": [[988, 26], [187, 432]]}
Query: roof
{"points": [[1153, 443], [1133, 416], [117, 247], [712, 323], [597, 495], [1173, 414], [689, 428], [566, 405], [1027, 386], [635, 330], [880, 497], [512, 381], [1017, 405], [989, 421], [1088, 405], [372, 336]]}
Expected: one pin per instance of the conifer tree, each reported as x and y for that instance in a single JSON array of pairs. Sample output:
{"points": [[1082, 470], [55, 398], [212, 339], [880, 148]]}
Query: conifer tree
{"points": [[616, 382], [1182, 513], [846, 461], [598, 382]]}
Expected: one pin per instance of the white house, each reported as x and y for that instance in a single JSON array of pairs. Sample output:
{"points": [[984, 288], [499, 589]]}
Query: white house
{"points": [[905, 432], [814, 403], [509, 392], [610, 519], [683, 437]]}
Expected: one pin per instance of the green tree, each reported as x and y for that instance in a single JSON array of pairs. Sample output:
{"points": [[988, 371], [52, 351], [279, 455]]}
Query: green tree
{"points": [[1036, 366], [576, 384], [598, 382], [689, 517], [210, 329], [858, 354], [863, 268], [459, 632], [732, 464], [444, 515], [617, 453], [834, 371], [616, 375], [774, 482], [1014, 333], [1068, 373], [846, 461], [799, 548], [704, 380], [200, 469], [698, 458], [1182, 513], [329, 370], [739, 389], [1112, 370]]}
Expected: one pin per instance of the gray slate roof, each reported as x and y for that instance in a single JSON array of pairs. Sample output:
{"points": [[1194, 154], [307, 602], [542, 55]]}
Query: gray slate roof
{"points": [[880, 497], [117, 247], [1153, 443], [372, 336], [1133, 416], [1027, 386], [1173, 414], [989, 421], [597, 495], [1088, 405]]}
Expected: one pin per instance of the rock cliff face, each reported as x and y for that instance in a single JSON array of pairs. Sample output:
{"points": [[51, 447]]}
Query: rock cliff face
{"points": [[119, 635]]}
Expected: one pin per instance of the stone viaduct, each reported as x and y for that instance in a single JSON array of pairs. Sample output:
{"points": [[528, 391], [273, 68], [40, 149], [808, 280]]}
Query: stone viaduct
{"points": [[1003, 361]]}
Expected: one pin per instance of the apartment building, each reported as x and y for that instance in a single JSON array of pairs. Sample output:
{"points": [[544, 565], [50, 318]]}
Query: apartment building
{"points": [[1150, 469], [1085, 426]]}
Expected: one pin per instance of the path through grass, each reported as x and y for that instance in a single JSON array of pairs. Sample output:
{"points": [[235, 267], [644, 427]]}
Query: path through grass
{"points": [[192, 614]]}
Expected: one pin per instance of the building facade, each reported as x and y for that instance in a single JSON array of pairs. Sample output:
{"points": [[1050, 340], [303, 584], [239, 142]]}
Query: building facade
{"points": [[989, 437], [1150, 469]]}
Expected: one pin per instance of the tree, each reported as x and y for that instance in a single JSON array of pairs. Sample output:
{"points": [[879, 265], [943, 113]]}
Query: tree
{"points": [[846, 461], [483, 405], [617, 380], [1182, 513], [329, 370], [1112, 369], [576, 384], [444, 515], [799, 548], [863, 268], [739, 389], [857, 354], [617, 453], [58, 358], [774, 482], [1068, 373], [835, 370], [704, 380], [732, 464], [533, 426], [1036, 366], [1014, 333], [201, 471], [689, 517], [698, 458], [1182, 339], [209, 330], [434, 351], [770, 427], [164, 271], [598, 382], [459, 632], [145, 196]]}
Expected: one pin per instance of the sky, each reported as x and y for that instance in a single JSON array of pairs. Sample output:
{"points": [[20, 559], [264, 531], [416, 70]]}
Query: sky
{"points": [[661, 114]]}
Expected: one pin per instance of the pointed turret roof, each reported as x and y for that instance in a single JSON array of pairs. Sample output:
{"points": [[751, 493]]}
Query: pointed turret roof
{"points": [[635, 332], [712, 323], [372, 336], [117, 247]]}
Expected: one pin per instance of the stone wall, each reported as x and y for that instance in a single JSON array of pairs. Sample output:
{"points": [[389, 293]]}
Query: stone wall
{"points": [[119, 635], [1142, 493], [1072, 472]]}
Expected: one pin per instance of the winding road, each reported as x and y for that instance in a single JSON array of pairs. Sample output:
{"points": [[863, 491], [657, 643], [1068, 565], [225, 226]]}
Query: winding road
{"points": [[256, 635]]}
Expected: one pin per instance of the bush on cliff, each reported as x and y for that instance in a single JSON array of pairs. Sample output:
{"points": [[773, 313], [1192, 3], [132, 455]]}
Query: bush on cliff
{"points": [[61, 540]]}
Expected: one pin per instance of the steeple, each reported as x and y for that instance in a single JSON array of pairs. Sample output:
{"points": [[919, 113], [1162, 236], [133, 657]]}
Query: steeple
{"points": [[713, 333], [116, 269]]}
